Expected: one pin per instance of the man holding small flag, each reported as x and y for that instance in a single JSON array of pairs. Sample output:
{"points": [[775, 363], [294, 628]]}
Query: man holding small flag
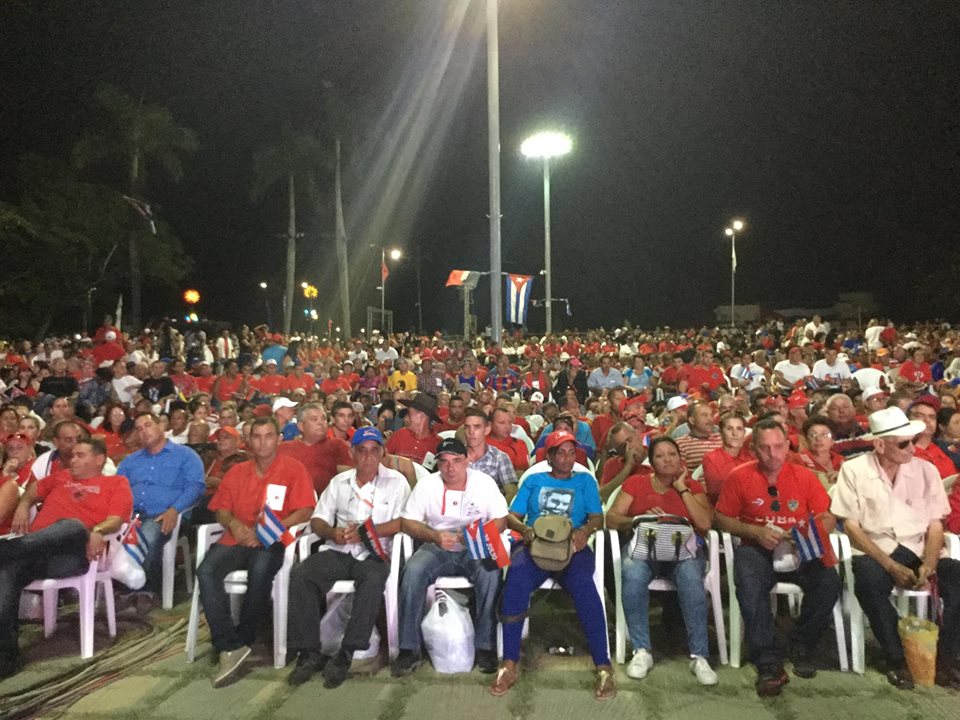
{"points": [[257, 502], [357, 515]]}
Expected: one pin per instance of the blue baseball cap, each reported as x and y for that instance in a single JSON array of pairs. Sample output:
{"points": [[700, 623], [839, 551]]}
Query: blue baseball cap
{"points": [[367, 433]]}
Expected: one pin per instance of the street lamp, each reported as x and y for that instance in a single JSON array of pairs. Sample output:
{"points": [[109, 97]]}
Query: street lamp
{"points": [[395, 254], [266, 300], [493, 163], [545, 145], [731, 232]]}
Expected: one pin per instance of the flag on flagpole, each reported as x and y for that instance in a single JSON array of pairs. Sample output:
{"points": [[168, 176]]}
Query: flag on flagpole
{"points": [[371, 540], [518, 298], [384, 272], [270, 529], [814, 542], [119, 314], [484, 542], [463, 278], [733, 257]]}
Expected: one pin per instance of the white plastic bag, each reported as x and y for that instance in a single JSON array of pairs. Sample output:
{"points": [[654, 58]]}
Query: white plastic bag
{"points": [[448, 634], [334, 623]]}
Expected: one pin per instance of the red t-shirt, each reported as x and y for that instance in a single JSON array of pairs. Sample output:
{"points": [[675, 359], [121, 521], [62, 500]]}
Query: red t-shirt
{"points": [[601, 424], [932, 453], [107, 351], [717, 466], [89, 500], [640, 488], [305, 382], [243, 492], [613, 466], [320, 459], [404, 443], [916, 373], [515, 449], [745, 495], [228, 387], [330, 386], [205, 383], [271, 384]]}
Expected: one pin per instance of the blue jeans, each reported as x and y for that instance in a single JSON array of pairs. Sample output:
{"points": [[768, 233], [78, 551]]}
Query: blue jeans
{"points": [[261, 565], [755, 578], [687, 575], [577, 579], [428, 563], [56, 551], [153, 562]]}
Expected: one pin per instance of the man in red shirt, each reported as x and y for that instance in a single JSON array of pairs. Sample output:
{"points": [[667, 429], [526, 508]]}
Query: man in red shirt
{"points": [[925, 409], [760, 503], [416, 440], [501, 425], [80, 506], [268, 480], [323, 456], [335, 382], [455, 415], [270, 383], [342, 428]]}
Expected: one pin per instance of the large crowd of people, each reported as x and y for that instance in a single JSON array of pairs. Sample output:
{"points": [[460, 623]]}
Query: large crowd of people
{"points": [[754, 431]]}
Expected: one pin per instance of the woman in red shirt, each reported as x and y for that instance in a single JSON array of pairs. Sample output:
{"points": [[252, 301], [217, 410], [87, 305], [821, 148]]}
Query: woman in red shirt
{"points": [[113, 418], [717, 464], [17, 462], [667, 491], [819, 455]]}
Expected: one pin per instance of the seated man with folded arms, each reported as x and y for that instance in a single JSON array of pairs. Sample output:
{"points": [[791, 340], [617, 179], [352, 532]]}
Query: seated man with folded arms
{"points": [[80, 506], [892, 505], [267, 480], [438, 510], [369, 492]]}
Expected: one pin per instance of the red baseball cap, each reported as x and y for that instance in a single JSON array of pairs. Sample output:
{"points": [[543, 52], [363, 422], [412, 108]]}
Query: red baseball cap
{"points": [[229, 430], [558, 438], [19, 437]]}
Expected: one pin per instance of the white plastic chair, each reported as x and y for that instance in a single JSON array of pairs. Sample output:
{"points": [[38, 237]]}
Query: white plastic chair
{"points": [[711, 582], [792, 591], [420, 470], [174, 543], [235, 584], [86, 586], [900, 597], [544, 466], [390, 592]]}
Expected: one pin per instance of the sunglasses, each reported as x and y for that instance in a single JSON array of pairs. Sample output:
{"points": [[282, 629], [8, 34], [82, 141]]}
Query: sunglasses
{"points": [[774, 493], [904, 444]]}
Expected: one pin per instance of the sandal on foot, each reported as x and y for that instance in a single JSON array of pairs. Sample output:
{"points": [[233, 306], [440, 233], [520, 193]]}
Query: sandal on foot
{"points": [[504, 680], [605, 688]]}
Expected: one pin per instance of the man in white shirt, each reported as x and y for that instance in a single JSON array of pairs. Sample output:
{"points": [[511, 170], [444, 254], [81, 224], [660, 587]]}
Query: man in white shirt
{"points": [[747, 374], [792, 370], [353, 551], [438, 510], [816, 327], [830, 370]]}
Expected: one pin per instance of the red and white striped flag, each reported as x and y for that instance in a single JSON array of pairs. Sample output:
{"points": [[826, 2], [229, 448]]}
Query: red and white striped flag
{"points": [[464, 278]]}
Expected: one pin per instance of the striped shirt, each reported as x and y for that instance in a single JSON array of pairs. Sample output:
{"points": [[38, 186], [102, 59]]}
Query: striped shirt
{"points": [[496, 463], [692, 448]]}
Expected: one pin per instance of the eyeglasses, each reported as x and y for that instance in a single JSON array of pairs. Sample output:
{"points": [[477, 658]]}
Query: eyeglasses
{"points": [[774, 493], [904, 444], [821, 436]]}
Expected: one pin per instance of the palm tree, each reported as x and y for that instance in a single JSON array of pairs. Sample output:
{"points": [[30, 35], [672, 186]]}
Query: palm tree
{"points": [[295, 159], [135, 134]]}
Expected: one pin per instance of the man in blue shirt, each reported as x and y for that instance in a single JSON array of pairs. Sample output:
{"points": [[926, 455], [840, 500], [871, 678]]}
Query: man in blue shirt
{"points": [[606, 376], [166, 480]]}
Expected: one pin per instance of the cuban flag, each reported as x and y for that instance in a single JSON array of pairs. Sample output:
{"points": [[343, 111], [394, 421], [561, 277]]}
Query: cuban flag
{"points": [[813, 542], [484, 542], [518, 298], [270, 529], [135, 543], [371, 540]]}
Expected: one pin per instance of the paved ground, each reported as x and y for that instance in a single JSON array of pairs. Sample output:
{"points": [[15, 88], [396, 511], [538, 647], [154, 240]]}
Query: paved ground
{"points": [[552, 687]]}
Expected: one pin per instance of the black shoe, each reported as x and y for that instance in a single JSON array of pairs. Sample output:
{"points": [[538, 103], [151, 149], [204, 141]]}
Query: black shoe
{"points": [[949, 677], [407, 661], [770, 680], [10, 665], [900, 678], [487, 662], [335, 673], [308, 662], [803, 665]]}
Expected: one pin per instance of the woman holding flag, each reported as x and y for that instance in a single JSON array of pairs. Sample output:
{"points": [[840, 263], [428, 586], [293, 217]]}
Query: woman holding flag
{"points": [[577, 497]]}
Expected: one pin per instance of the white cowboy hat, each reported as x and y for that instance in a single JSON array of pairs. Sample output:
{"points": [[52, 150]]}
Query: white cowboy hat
{"points": [[892, 422]]}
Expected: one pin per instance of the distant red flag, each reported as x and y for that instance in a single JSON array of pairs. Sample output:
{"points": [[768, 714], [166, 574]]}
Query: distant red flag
{"points": [[384, 272], [461, 277]]}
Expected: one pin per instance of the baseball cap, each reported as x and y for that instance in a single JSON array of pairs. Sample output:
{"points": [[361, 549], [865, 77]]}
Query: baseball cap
{"points": [[676, 402], [537, 397], [451, 445], [226, 429], [872, 392], [282, 402], [555, 439], [19, 437], [271, 361], [366, 433]]}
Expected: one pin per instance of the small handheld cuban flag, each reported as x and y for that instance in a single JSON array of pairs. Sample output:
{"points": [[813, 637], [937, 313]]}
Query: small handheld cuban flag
{"points": [[518, 298], [813, 542], [371, 540], [270, 529], [484, 542], [134, 542]]}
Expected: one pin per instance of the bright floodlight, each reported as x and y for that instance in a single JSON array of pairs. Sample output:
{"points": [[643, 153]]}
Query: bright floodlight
{"points": [[728, 232], [738, 225], [263, 286], [395, 254], [546, 145]]}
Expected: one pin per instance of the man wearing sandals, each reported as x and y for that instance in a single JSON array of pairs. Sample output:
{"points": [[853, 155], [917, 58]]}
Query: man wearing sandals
{"points": [[80, 506]]}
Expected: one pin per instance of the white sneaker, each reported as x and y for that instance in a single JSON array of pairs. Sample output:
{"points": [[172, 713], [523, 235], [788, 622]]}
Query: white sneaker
{"points": [[702, 670], [640, 664]]}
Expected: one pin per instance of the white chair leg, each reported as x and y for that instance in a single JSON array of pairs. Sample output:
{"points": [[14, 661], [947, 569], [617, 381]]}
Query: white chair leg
{"points": [[184, 545], [736, 631], [87, 599], [717, 602], [192, 624], [841, 636], [620, 623], [106, 586], [50, 598], [279, 623]]}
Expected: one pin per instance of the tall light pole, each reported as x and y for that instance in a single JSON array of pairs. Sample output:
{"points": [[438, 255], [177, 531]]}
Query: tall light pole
{"points": [[731, 232], [493, 159], [266, 300], [395, 254], [546, 145]]}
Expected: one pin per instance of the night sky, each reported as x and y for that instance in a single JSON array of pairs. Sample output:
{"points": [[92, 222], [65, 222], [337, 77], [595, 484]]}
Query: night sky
{"points": [[832, 128]]}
